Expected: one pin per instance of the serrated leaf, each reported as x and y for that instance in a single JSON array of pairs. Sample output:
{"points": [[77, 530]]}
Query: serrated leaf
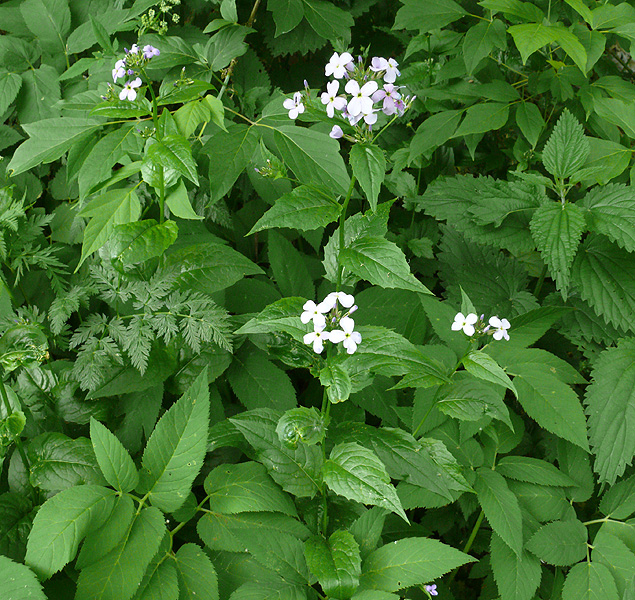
{"points": [[530, 121], [61, 524], [18, 582], [481, 118], [560, 543], [531, 37], [174, 453], [369, 167], [619, 500], [160, 582], [356, 473], [196, 573], [517, 577], [484, 367], [134, 243], [532, 470], [10, 84], [612, 551], [407, 562], [114, 461], [174, 152], [589, 581], [567, 148]]}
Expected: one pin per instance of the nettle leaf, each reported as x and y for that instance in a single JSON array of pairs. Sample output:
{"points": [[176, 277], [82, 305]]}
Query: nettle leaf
{"points": [[357, 473], [245, 487], [517, 577], [428, 15], [567, 148], [335, 562], [408, 562], [589, 581], [18, 582], [557, 229], [610, 407], [484, 367], [480, 40], [369, 167], [196, 574], [530, 121], [500, 507], [305, 208], [560, 543], [174, 453], [287, 14], [114, 461], [605, 275], [61, 524]]}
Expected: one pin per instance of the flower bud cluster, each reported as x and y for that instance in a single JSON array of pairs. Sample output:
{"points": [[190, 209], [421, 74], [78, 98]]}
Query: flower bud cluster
{"points": [[129, 68], [473, 325], [157, 21], [332, 323]]}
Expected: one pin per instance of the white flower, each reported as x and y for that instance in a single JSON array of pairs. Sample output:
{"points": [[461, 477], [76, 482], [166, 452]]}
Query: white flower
{"points": [[338, 65], [294, 106], [390, 96], [129, 91], [331, 99], [312, 312], [361, 102], [464, 323], [392, 72], [317, 338], [134, 49], [119, 70], [336, 132], [378, 64], [346, 300], [350, 338], [500, 328]]}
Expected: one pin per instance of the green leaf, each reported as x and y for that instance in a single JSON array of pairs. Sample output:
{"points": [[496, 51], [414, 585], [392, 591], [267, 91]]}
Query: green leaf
{"points": [[589, 581], [336, 563], [480, 40], [174, 152], [613, 552], [301, 424], [182, 93], [175, 451], [433, 132], [610, 406], [582, 9], [18, 582], [197, 575], [500, 507], [427, 15], [380, 262], [160, 582], [289, 267], [16, 519], [281, 316], [114, 461], [606, 161], [618, 112], [108, 210], [48, 140], [484, 367], [481, 118], [118, 575], [313, 156], [619, 500], [179, 202], [369, 167], [356, 473], [287, 14], [61, 524], [49, 21], [560, 543], [245, 487], [531, 37], [525, 10], [134, 243], [517, 577], [532, 470], [409, 561], [191, 115], [10, 84], [557, 229], [336, 381], [530, 121], [551, 403], [327, 20], [567, 148]]}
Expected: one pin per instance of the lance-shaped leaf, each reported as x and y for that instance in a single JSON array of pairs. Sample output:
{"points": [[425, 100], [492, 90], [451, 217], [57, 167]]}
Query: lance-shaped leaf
{"points": [[357, 473], [61, 524], [174, 152], [481, 118], [483, 366], [179, 202], [18, 582], [433, 132], [533, 470], [335, 562], [530, 121], [114, 461], [589, 581], [610, 549], [175, 451], [369, 166], [480, 40], [516, 577], [9, 87], [133, 243], [196, 573], [567, 148]]}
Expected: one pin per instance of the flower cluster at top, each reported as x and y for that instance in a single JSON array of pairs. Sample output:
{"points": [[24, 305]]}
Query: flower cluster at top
{"points": [[130, 66], [471, 325], [370, 90], [330, 323]]}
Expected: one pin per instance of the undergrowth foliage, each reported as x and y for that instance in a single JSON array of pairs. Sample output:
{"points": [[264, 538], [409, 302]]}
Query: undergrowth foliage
{"points": [[309, 299]]}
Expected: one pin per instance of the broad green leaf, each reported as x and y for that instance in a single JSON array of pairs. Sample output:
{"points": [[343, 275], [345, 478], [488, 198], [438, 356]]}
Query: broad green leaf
{"points": [[61, 524], [560, 543], [619, 500], [305, 208], [380, 262], [289, 267], [287, 14], [16, 518], [530, 121], [500, 507], [160, 582], [570, 43], [531, 326], [576, 463], [313, 156], [301, 425], [613, 552], [356, 473], [589, 581], [542, 502], [49, 21], [270, 589], [433, 132], [117, 575], [567, 148], [175, 451], [335, 562], [179, 202], [480, 40], [551, 403], [336, 381], [196, 574], [517, 577], [108, 210], [427, 15], [191, 115], [484, 367], [582, 9], [610, 406], [122, 109], [531, 37], [525, 10], [35, 103], [10, 84], [281, 316], [114, 461], [174, 152], [217, 110], [557, 229], [369, 167], [185, 92], [134, 243], [327, 20], [245, 487], [532, 470], [18, 582], [226, 44], [606, 160], [481, 118], [48, 140], [407, 562], [616, 111]]}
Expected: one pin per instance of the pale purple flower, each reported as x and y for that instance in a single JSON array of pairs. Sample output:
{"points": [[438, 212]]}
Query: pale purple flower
{"points": [[331, 99], [466, 323], [150, 51], [350, 338], [129, 91], [361, 102], [134, 49], [336, 132], [119, 70], [392, 72], [500, 328], [294, 106], [317, 338], [313, 313], [432, 589], [338, 65], [378, 64], [390, 96]]}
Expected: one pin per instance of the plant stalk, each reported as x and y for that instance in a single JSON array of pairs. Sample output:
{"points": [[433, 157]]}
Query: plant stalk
{"points": [[340, 268]]}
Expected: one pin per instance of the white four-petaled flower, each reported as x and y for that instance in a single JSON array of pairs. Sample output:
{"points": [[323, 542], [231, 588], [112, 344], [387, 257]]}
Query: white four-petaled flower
{"points": [[336, 132], [317, 337], [119, 70], [294, 105], [392, 72], [500, 328], [129, 91], [331, 99], [313, 313], [361, 102], [346, 300], [466, 323], [347, 335], [338, 65]]}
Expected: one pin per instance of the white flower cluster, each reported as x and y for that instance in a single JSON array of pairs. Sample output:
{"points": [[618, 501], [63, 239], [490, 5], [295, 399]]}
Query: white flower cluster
{"points": [[471, 324], [129, 66], [327, 317], [366, 98]]}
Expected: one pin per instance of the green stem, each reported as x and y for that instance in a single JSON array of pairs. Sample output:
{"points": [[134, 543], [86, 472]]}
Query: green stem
{"points": [[469, 542], [161, 195], [18, 441], [183, 523], [540, 281], [340, 268]]}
